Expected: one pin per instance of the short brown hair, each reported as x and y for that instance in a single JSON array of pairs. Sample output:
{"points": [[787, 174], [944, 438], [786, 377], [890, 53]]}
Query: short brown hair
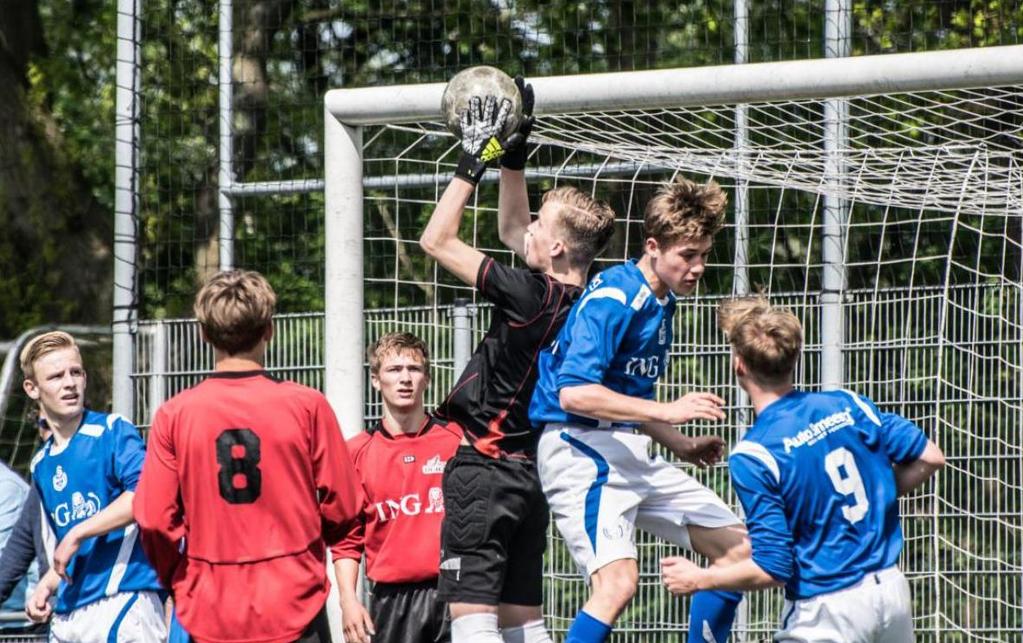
{"points": [[684, 210], [396, 343], [42, 345], [586, 223], [768, 339], [234, 309]]}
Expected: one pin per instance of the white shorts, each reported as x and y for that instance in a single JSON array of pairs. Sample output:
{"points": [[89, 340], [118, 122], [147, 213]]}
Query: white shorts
{"points": [[602, 483], [878, 609], [126, 617]]}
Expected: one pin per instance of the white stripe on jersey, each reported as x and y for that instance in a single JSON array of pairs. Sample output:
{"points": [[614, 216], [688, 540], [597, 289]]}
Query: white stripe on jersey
{"points": [[114, 417], [641, 297], [869, 412], [49, 538], [36, 459], [92, 430], [760, 452], [607, 292], [131, 533]]}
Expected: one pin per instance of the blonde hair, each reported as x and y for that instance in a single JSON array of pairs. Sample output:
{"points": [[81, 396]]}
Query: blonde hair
{"points": [[42, 345], [586, 223], [234, 309], [684, 210], [768, 339], [396, 343]]}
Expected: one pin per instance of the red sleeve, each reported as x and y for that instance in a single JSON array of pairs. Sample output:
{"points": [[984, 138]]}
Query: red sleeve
{"points": [[157, 503], [354, 543], [337, 484]]}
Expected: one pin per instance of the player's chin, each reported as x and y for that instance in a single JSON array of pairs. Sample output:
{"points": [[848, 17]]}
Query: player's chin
{"points": [[686, 288]]}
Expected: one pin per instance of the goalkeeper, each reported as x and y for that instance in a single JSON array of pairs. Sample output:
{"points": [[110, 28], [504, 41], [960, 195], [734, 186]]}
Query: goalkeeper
{"points": [[818, 475], [494, 531]]}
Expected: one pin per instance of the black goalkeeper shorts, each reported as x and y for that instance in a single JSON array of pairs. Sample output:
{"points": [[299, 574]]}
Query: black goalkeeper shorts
{"points": [[494, 531], [409, 613]]}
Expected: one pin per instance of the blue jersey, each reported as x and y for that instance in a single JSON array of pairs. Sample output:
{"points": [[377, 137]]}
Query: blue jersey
{"points": [[814, 476], [102, 460], [617, 334]]}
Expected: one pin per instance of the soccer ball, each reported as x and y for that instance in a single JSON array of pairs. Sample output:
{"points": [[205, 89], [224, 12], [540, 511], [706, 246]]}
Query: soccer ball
{"points": [[481, 81]]}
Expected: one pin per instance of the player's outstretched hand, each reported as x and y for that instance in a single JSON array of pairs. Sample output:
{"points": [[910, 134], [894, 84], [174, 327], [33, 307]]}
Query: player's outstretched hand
{"points": [[703, 450], [355, 621], [482, 123], [680, 575], [38, 606], [515, 156], [694, 406], [65, 551]]}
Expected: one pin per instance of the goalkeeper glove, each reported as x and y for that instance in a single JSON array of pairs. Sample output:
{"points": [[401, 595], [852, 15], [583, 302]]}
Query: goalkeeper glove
{"points": [[515, 157], [482, 123]]}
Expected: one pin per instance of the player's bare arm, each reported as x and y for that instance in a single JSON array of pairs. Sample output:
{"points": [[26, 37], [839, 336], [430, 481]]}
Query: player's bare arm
{"points": [[682, 577], [600, 402], [703, 450], [513, 201], [116, 515], [355, 619], [440, 238], [911, 475], [38, 607]]}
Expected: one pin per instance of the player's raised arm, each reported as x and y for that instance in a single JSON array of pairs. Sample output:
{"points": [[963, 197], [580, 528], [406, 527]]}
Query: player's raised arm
{"points": [[482, 123], [513, 202]]}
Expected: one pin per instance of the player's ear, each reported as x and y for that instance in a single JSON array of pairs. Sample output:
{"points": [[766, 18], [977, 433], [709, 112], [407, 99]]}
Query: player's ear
{"points": [[30, 388], [374, 379], [651, 247], [558, 248], [739, 366], [268, 334]]}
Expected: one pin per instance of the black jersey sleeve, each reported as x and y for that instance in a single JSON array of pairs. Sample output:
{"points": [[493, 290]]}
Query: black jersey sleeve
{"points": [[520, 293]]}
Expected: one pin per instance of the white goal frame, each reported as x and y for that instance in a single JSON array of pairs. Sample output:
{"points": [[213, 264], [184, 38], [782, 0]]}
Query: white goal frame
{"points": [[346, 111]]}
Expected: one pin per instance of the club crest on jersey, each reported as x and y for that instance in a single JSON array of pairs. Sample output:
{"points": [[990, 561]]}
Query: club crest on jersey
{"points": [[408, 459], [434, 465], [82, 507], [59, 479]]}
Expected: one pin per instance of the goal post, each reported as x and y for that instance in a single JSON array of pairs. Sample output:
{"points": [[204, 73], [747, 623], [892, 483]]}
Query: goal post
{"points": [[928, 320]]}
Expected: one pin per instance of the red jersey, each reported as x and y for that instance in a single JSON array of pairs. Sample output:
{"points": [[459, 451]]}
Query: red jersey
{"points": [[401, 476], [246, 481]]}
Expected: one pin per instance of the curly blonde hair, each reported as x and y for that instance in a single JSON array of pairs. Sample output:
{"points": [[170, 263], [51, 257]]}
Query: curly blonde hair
{"points": [[768, 339], [685, 210]]}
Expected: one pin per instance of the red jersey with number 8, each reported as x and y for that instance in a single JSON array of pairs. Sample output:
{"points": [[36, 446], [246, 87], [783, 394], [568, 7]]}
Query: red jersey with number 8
{"points": [[246, 481]]}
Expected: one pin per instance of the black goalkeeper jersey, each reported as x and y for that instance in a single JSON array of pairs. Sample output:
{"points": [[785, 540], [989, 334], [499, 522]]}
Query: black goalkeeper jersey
{"points": [[491, 399]]}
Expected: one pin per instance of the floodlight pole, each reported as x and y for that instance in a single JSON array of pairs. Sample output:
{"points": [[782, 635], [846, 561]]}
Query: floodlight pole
{"points": [[126, 203], [837, 23]]}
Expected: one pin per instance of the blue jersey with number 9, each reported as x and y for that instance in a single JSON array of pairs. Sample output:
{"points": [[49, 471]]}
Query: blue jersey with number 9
{"points": [[814, 476], [617, 334]]}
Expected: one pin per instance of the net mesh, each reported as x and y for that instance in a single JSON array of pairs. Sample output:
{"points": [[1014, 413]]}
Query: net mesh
{"points": [[933, 328]]}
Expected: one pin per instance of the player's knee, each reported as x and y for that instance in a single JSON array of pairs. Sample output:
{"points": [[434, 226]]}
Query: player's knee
{"points": [[618, 582]]}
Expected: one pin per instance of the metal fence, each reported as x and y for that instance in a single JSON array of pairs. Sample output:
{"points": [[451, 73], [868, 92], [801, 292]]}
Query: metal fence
{"points": [[957, 374]]}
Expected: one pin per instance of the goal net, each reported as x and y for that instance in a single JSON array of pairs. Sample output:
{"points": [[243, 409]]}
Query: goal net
{"points": [[902, 176]]}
